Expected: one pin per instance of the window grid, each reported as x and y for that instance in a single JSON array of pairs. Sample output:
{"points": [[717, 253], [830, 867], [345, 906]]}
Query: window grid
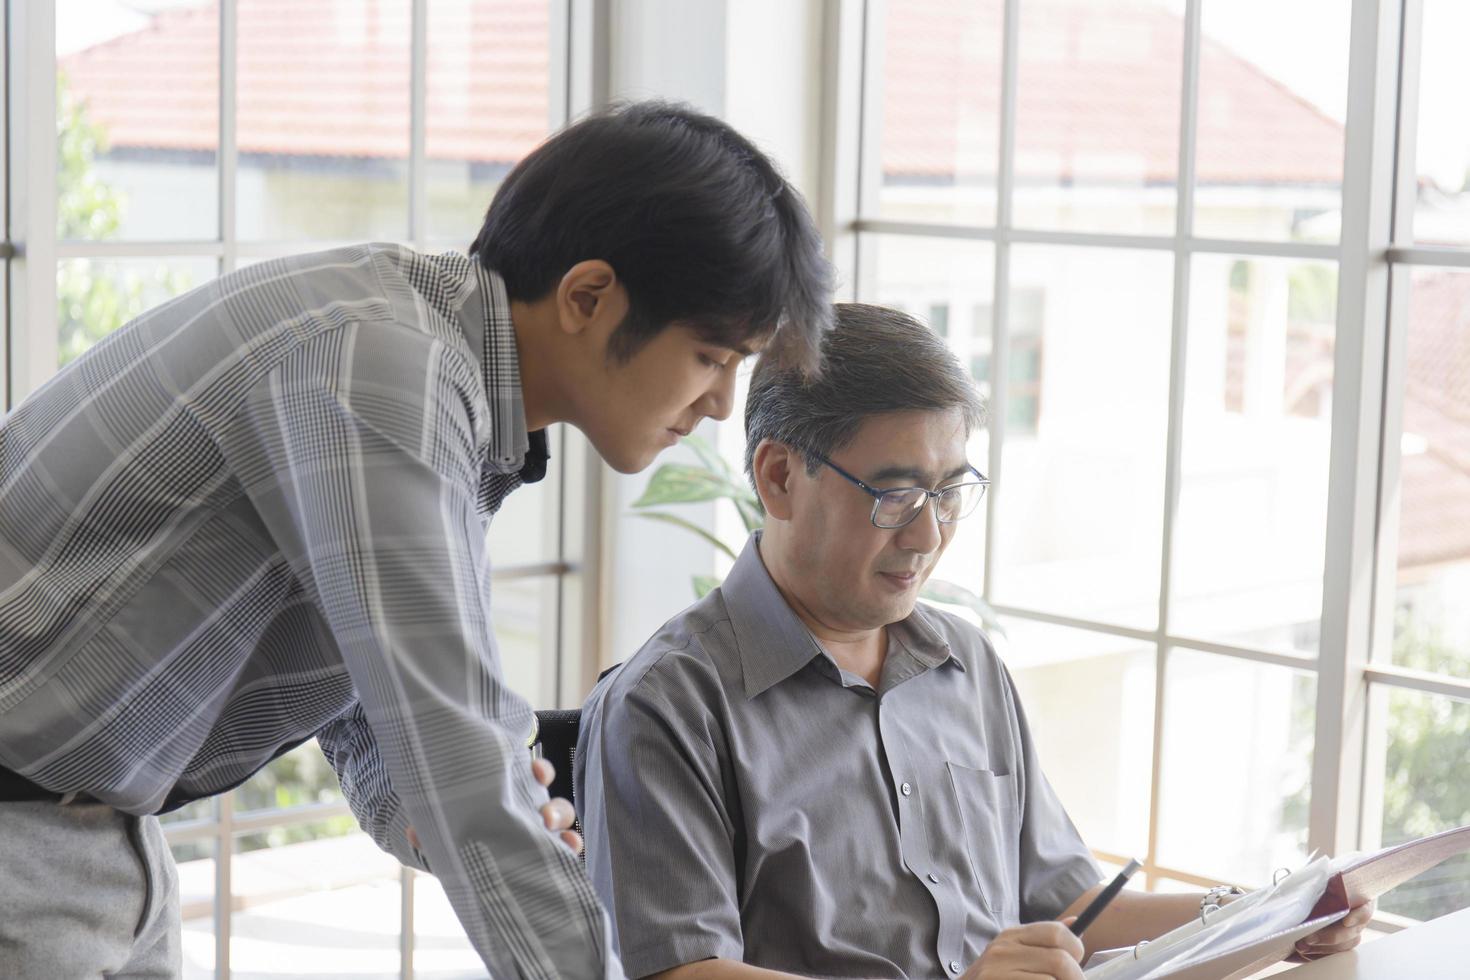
{"points": [[1399, 22]]}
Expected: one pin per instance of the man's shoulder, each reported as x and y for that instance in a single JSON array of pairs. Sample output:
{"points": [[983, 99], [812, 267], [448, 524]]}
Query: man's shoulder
{"points": [[687, 663]]}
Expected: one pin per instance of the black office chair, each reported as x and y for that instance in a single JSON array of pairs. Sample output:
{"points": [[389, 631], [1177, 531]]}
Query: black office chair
{"points": [[556, 738]]}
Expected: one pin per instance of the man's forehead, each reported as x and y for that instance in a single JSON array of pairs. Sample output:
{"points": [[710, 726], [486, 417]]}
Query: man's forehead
{"points": [[913, 443]]}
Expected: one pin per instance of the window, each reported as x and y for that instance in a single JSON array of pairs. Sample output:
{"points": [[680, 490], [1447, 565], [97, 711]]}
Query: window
{"points": [[1159, 234], [195, 137]]}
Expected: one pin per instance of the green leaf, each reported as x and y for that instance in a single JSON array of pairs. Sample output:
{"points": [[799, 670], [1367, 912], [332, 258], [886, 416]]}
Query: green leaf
{"points": [[709, 456], [752, 514], [704, 585], [938, 590], [689, 526], [680, 483], [677, 483]]}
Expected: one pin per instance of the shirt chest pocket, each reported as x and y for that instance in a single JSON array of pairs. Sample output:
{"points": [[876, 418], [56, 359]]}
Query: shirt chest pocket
{"points": [[990, 822]]}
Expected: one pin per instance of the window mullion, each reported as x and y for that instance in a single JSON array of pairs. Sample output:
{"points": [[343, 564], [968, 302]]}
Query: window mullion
{"points": [[1174, 426], [1375, 752], [1357, 411], [32, 356], [1005, 171], [229, 156], [418, 195]]}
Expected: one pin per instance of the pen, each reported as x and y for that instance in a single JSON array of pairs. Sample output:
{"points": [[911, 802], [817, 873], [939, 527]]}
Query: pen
{"points": [[1095, 907]]}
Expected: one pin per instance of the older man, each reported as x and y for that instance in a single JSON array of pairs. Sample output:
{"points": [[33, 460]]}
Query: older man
{"points": [[806, 773]]}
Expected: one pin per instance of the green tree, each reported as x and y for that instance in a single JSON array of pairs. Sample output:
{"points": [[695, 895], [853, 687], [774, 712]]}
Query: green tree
{"points": [[89, 303], [1425, 786]]}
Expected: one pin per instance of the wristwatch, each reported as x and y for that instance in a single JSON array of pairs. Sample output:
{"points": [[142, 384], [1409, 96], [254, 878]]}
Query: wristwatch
{"points": [[1215, 898]]}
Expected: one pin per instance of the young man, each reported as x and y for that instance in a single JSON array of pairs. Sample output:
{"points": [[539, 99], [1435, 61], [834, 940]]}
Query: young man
{"points": [[807, 773], [256, 515]]}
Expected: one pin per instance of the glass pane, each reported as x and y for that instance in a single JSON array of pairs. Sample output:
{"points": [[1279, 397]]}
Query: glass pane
{"points": [[1250, 533], [1442, 144], [96, 296], [1269, 150], [311, 903], [1432, 629], [1097, 115], [948, 285], [1424, 791], [137, 120], [301, 776], [523, 531], [939, 111], [324, 94], [195, 861], [1084, 688], [441, 951], [524, 611], [488, 103], [1236, 779], [1079, 519]]}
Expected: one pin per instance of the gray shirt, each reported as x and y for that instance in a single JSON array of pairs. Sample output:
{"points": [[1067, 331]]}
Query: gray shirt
{"points": [[257, 514], [745, 798]]}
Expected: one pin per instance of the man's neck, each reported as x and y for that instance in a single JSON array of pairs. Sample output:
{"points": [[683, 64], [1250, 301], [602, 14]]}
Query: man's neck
{"points": [[535, 329], [857, 651]]}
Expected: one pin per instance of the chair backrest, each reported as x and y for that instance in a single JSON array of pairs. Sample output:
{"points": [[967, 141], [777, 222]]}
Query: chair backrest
{"points": [[556, 736]]}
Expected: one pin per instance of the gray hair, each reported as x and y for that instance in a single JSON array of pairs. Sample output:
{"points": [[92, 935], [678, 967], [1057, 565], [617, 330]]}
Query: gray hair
{"points": [[875, 361]]}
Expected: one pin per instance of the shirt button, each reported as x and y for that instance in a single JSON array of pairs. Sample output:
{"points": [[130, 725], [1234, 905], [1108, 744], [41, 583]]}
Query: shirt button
{"points": [[954, 966], [933, 878], [905, 789]]}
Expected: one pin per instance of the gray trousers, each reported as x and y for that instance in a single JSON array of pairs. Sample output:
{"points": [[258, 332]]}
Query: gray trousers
{"points": [[85, 891]]}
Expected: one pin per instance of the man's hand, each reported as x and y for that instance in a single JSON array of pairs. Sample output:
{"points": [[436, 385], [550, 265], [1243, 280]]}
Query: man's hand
{"points": [[557, 812], [1343, 934], [1040, 949]]}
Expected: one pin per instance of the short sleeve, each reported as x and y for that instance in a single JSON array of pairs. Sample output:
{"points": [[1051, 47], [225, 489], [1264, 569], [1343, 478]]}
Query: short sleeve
{"points": [[660, 840]]}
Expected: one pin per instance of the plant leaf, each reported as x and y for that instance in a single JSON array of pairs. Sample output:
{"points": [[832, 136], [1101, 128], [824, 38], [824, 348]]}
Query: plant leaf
{"points": [[704, 585], [678, 483], [709, 456], [752, 514], [938, 590], [689, 526]]}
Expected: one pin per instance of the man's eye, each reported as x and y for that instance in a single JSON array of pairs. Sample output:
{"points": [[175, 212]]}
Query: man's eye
{"points": [[708, 361]]}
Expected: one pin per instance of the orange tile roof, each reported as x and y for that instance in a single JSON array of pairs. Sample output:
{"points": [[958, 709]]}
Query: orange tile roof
{"points": [[1097, 98], [326, 79], [1085, 109]]}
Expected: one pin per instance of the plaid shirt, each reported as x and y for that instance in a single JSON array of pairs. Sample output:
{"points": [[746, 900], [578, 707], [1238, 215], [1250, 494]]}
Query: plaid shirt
{"points": [[256, 514]]}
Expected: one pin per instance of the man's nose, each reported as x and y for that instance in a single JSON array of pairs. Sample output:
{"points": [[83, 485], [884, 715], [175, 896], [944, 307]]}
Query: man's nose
{"points": [[719, 401], [922, 534]]}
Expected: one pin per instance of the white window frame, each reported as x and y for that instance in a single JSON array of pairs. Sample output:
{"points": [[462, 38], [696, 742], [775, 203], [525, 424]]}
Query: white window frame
{"points": [[1352, 668], [28, 356]]}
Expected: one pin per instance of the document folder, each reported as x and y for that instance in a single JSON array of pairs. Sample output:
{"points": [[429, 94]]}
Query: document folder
{"points": [[1263, 927]]}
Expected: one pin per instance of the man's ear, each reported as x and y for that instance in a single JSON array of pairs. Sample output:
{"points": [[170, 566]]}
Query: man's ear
{"points": [[773, 465], [591, 298]]}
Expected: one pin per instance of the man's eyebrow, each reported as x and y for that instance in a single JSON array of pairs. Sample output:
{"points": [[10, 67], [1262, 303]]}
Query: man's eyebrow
{"points": [[890, 473]]}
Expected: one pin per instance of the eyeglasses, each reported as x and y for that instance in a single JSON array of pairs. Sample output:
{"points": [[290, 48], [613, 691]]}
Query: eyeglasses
{"points": [[897, 507]]}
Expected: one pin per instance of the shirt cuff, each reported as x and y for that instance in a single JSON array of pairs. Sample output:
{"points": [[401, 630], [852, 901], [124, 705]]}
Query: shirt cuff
{"points": [[672, 951]]}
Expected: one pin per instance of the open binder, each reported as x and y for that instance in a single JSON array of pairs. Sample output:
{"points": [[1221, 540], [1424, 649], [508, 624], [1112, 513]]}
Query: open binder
{"points": [[1261, 928]]}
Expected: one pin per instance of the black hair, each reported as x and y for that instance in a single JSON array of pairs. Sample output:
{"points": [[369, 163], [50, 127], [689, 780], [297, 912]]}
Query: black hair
{"points": [[875, 361], [698, 224]]}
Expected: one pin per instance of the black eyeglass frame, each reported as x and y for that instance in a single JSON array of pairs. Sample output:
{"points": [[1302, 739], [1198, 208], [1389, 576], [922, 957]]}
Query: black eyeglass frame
{"points": [[982, 481]]}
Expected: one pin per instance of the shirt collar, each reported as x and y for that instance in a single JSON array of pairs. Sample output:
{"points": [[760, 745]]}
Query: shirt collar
{"points": [[773, 642], [483, 309]]}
